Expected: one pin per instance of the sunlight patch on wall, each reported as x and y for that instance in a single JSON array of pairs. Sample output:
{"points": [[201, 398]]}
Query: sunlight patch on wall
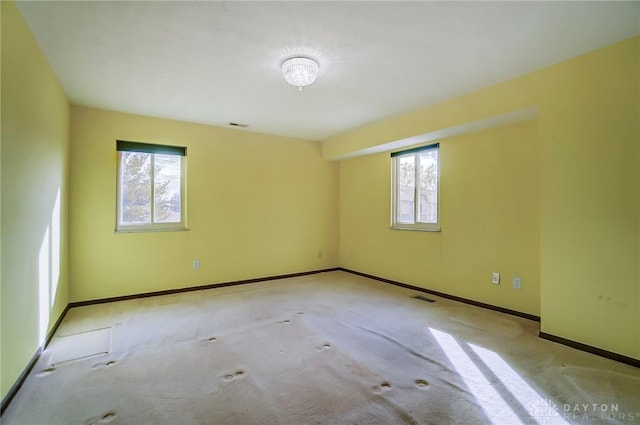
{"points": [[43, 286], [48, 270], [55, 249]]}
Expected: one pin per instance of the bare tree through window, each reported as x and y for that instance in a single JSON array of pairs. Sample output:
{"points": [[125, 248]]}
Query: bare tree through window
{"points": [[150, 187], [416, 187]]}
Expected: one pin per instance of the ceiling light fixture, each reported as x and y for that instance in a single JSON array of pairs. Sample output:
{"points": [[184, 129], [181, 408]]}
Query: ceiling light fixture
{"points": [[300, 71]]}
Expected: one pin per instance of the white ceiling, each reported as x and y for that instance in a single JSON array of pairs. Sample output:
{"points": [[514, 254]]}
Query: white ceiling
{"points": [[219, 62]]}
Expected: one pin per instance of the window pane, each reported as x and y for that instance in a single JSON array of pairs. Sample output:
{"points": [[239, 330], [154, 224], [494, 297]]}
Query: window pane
{"points": [[428, 181], [406, 189], [167, 189], [135, 189]]}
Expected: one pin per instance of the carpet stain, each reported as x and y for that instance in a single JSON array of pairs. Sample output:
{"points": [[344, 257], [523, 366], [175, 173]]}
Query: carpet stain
{"points": [[421, 383], [103, 365], [423, 298], [108, 417], [207, 340], [104, 419], [46, 372], [325, 346], [385, 386], [235, 375]]}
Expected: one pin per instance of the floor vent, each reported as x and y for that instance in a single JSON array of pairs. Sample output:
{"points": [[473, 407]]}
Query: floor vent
{"points": [[423, 298]]}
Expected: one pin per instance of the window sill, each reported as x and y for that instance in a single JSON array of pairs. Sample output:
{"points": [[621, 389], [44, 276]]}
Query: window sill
{"points": [[152, 230], [416, 228]]}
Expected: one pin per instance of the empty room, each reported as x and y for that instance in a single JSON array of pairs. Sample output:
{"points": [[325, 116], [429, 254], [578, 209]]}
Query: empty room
{"points": [[320, 212]]}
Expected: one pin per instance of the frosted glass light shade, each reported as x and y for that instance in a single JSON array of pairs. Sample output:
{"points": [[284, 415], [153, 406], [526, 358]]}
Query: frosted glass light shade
{"points": [[300, 72]]}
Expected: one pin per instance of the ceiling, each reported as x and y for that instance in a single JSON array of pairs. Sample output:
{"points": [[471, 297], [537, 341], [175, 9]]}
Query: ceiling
{"points": [[219, 62]]}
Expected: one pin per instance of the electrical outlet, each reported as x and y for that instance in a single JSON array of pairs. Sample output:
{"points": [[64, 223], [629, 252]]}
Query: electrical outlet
{"points": [[196, 264], [495, 278], [517, 283]]}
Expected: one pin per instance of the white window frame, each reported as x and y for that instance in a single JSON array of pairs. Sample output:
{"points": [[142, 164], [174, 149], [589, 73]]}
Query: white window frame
{"points": [[395, 224], [153, 149]]}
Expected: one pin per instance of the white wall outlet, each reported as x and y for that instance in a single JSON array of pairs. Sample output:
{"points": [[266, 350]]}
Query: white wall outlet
{"points": [[495, 278], [196, 264], [517, 283]]}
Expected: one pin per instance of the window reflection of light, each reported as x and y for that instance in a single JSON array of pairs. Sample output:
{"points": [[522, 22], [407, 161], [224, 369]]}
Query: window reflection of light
{"points": [[43, 287], [521, 390], [495, 408], [55, 249], [49, 270]]}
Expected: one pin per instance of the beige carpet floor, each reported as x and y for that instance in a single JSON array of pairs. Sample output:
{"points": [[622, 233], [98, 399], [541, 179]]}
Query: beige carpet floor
{"points": [[331, 348]]}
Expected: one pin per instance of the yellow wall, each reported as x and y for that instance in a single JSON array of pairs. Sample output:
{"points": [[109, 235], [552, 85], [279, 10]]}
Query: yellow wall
{"points": [[257, 206], [555, 200], [590, 138], [35, 130], [489, 209], [588, 213]]}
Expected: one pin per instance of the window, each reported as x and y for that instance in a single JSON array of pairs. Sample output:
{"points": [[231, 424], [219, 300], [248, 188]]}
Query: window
{"points": [[415, 189], [151, 187]]}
